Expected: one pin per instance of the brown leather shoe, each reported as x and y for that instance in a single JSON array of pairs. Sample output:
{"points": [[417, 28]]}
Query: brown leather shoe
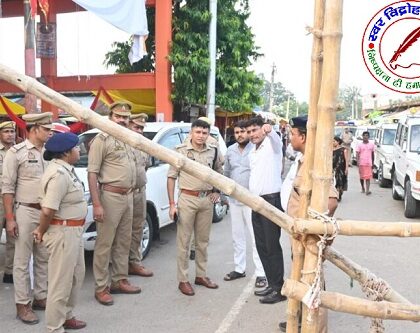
{"points": [[74, 324], [39, 304], [124, 287], [104, 297], [206, 282], [136, 269], [186, 288], [25, 313]]}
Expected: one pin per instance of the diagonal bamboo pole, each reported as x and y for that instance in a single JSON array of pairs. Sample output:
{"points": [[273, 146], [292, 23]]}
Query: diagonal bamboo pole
{"points": [[298, 250], [356, 228], [354, 305], [30, 85], [327, 104], [359, 273]]}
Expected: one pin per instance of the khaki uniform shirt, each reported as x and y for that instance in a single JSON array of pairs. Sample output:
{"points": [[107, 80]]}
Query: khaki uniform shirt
{"points": [[62, 191], [113, 161], [142, 163], [293, 204], [23, 167], [2, 156], [205, 157]]}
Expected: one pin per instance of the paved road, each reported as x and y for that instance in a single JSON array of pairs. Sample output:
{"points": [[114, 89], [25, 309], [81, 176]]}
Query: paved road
{"points": [[233, 307]]}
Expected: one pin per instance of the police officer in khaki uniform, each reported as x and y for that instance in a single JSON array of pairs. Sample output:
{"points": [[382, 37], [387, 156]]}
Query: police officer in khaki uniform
{"points": [[112, 177], [290, 192], [135, 266], [7, 140], [22, 171], [60, 229], [195, 206]]}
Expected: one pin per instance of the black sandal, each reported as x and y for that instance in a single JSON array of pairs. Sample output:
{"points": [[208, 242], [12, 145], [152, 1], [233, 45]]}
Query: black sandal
{"points": [[233, 276]]}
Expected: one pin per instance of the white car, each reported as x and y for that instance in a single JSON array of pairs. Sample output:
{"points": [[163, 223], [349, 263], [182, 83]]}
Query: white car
{"points": [[358, 139], [406, 166], [168, 135], [384, 141]]}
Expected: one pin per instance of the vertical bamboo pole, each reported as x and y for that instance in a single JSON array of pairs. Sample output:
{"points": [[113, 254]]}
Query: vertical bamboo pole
{"points": [[327, 105], [293, 306]]}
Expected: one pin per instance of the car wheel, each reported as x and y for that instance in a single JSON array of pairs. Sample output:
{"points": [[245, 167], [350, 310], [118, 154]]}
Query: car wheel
{"points": [[146, 242], [411, 205], [395, 194], [382, 181], [219, 212]]}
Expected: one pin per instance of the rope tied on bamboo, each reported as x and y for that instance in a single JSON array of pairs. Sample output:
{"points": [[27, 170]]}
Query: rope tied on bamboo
{"points": [[375, 289], [312, 298]]}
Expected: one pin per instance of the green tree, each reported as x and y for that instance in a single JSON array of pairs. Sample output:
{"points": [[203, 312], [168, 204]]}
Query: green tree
{"points": [[237, 88], [349, 98]]}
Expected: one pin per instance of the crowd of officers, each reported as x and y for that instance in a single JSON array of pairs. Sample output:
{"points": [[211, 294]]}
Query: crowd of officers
{"points": [[44, 211]]}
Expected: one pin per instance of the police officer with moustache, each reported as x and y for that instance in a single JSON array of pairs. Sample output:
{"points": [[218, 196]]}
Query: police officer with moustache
{"points": [[7, 140], [111, 176], [23, 168], [195, 206], [60, 229], [135, 266]]}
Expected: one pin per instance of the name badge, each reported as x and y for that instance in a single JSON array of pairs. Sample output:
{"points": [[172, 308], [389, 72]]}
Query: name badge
{"points": [[32, 161]]}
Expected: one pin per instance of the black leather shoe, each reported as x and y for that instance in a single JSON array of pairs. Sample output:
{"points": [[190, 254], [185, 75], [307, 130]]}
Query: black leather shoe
{"points": [[8, 278], [263, 292], [283, 326], [273, 297]]}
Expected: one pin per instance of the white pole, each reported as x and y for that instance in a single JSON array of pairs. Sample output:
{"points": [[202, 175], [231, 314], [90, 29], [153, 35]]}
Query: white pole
{"points": [[288, 106], [211, 80], [271, 97]]}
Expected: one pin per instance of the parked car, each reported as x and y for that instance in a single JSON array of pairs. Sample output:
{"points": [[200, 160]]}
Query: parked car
{"points": [[384, 141], [406, 165], [358, 139], [168, 135]]}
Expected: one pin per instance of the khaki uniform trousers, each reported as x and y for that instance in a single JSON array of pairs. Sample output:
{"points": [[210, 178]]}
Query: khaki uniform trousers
{"points": [[28, 220], [66, 271], [113, 239], [139, 218], [10, 244], [195, 214]]}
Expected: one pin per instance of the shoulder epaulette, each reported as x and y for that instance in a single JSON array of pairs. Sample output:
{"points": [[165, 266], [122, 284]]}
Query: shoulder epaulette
{"points": [[18, 147], [182, 145], [102, 135], [61, 170]]}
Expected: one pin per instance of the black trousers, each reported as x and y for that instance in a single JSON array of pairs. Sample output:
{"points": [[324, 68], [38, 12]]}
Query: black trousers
{"points": [[267, 240]]}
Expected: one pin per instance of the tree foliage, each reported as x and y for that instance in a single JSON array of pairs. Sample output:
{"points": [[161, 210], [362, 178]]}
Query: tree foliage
{"points": [[349, 98], [237, 88]]}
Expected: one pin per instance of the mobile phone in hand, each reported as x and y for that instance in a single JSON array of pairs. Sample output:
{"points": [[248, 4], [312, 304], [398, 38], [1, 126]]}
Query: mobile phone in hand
{"points": [[176, 218]]}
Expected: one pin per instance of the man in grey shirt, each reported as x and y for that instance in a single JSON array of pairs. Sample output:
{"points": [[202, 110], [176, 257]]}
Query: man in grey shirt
{"points": [[237, 168]]}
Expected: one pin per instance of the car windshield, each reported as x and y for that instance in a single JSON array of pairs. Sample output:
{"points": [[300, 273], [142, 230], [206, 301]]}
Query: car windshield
{"points": [[415, 139], [85, 141], [389, 136]]}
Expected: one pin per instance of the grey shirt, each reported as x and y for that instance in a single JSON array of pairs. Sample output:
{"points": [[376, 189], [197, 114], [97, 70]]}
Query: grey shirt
{"points": [[237, 165]]}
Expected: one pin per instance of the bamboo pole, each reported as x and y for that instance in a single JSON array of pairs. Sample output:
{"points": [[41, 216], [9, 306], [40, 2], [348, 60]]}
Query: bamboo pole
{"points": [[327, 104], [228, 186], [359, 273], [354, 305], [298, 251], [356, 228]]}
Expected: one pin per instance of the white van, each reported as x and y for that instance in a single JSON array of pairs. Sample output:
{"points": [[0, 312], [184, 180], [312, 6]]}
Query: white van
{"points": [[384, 141], [168, 135], [406, 165]]}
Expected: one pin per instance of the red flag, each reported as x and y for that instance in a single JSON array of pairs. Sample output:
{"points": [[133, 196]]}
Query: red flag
{"points": [[45, 7], [34, 7], [19, 122]]}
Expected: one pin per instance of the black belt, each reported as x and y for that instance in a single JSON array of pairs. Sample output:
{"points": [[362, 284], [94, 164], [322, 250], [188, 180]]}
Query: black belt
{"points": [[271, 196]]}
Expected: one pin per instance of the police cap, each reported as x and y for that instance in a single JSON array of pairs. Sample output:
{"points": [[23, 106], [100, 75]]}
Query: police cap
{"points": [[122, 108], [139, 119], [299, 122], [61, 142], [7, 125], [43, 119]]}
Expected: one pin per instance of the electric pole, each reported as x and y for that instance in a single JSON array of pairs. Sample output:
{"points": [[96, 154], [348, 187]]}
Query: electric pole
{"points": [[271, 94], [211, 80], [30, 100]]}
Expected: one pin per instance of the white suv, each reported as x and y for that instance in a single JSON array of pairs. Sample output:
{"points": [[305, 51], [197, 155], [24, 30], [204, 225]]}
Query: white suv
{"points": [[406, 166], [384, 141], [168, 135]]}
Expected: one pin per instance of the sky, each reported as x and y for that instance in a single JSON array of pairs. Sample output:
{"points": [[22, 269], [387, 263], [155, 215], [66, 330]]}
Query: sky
{"points": [[278, 26]]}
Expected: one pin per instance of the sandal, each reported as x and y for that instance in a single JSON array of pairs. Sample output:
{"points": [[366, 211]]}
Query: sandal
{"points": [[260, 282], [233, 276]]}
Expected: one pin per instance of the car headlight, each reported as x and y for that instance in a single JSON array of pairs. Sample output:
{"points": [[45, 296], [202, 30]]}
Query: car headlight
{"points": [[88, 198]]}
